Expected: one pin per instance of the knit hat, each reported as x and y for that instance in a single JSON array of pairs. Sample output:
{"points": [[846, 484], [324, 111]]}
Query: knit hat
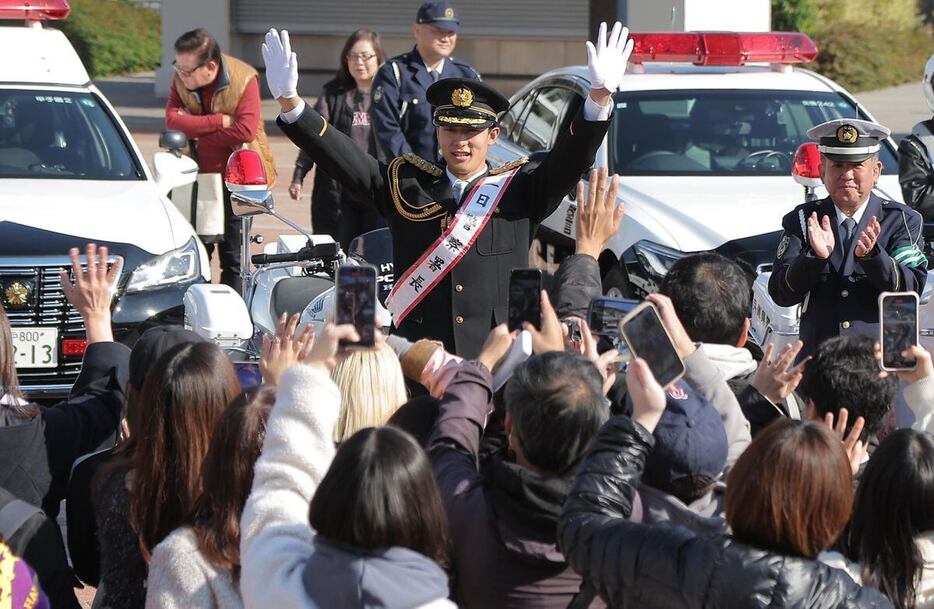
{"points": [[152, 344], [19, 585], [690, 440]]}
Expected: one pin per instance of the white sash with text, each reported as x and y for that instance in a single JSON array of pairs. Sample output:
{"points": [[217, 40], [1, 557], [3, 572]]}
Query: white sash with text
{"points": [[447, 251]]}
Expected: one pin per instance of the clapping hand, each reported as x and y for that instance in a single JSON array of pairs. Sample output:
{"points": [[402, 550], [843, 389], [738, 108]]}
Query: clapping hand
{"points": [[285, 348], [820, 236], [776, 379], [648, 397], [92, 290], [867, 239], [599, 214], [606, 62], [281, 65]]}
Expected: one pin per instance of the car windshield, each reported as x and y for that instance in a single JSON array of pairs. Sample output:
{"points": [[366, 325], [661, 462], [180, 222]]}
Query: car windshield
{"points": [[720, 132], [55, 134]]}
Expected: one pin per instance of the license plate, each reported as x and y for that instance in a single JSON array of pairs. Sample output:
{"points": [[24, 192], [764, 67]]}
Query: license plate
{"points": [[35, 347]]}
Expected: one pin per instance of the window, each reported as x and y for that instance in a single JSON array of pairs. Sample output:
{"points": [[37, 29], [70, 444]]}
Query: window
{"points": [[513, 117], [720, 132], [55, 134], [541, 123]]}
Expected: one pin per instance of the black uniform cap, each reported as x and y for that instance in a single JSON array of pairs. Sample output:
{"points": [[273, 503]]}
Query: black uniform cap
{"points": [[440, 14], [459, 102]]}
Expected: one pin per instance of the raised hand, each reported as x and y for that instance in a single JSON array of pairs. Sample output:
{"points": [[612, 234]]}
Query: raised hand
{"points": [[648, 397], [281, 65], [497, 345], [855, 450], [551, 336], [820, 236], [599, 214], [92, 290], [775, 379], [679, 336], [923, 365], [324, 351], [285, 348], [866, 241], [606, 62]]}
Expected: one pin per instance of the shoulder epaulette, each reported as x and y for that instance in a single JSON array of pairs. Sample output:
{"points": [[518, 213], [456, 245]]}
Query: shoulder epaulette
{"points": [[429, 168], [509, 166]]}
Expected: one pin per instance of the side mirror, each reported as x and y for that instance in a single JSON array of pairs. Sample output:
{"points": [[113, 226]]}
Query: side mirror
{"points": [[173, 141], [245, 178], [173, 170]]}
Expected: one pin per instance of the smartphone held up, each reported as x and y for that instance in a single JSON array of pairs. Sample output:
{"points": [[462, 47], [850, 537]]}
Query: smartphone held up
{"points": [[356, 303], [647, 338], [898, 322], [525, 298]]}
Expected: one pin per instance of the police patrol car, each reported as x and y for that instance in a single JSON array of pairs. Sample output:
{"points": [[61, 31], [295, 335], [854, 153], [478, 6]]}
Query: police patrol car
{"points": [[70, 173], [705, 131]]}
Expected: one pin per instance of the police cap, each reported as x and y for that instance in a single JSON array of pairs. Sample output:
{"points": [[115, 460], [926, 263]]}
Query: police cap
{"points": [[439, 14], [459, 102], [848, 140]]}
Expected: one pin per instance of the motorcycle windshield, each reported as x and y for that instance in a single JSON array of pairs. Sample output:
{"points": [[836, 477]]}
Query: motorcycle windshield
{"points": [[375, 247]]}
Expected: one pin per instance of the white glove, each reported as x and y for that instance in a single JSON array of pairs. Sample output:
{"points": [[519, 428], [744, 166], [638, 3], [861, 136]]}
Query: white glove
{"points": [[281, 65], [607, 61]]}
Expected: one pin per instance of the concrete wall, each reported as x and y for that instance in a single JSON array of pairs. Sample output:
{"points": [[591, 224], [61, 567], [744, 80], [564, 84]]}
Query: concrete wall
{"points": [[180, 16]]}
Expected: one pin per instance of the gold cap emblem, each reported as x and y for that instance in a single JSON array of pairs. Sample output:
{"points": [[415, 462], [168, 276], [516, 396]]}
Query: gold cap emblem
{"points": [[462, 97], [449, 13], [17, 294], [847, 134]]}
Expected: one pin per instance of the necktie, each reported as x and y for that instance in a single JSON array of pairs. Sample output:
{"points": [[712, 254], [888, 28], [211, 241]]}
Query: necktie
{"points": [[458, 190], [434, 75], [849, 227]]}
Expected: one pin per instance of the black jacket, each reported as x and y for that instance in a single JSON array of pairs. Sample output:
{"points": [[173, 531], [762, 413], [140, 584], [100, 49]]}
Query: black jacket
{"points": [[470, 299], [36, 456], [916, 175], [636, 565]]}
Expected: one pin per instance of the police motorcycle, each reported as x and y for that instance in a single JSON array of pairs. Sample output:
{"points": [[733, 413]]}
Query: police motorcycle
{"points": [[296, 274], [779, 326]]}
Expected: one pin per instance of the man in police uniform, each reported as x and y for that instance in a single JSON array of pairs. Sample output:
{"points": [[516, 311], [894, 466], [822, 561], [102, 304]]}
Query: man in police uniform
{"points": [[457, 230], [401, 112], [838, 254]]}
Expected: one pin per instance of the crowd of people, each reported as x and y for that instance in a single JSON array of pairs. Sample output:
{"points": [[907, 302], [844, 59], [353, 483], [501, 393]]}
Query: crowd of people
{"points": [[403, 476], [575, 485]]}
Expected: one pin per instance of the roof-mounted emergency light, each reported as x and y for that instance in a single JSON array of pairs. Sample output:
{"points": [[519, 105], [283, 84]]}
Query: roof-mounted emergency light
{"points": [[34, 10], [723, 48]]}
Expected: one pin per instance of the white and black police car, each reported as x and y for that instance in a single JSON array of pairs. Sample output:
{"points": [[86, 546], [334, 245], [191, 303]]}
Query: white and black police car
{"points": [[70, 174], [705, 130]]}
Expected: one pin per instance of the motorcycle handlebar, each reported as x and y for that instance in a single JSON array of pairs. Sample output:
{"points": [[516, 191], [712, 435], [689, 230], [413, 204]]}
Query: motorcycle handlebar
{"points": [[327, 251]]}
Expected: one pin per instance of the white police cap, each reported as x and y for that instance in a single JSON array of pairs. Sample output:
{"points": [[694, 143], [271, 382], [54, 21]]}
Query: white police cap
{"points": [[849, 140]]}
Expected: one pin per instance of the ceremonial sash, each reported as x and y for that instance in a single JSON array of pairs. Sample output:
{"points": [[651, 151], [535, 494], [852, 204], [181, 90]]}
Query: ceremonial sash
{"points": [[422, 277]]}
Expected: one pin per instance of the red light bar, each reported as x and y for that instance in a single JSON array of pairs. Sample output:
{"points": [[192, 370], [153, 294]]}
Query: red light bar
{"points": [[245, 171], [723, 48], [34, 10], [74, 346], [806, 165]]}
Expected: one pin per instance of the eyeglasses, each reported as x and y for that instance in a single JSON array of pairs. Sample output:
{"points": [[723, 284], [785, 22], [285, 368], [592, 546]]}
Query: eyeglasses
{"points": [[364, 57], [187, 73]]}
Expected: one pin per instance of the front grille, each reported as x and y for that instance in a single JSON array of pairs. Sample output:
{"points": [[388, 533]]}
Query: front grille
{"points": [[48, 308]]}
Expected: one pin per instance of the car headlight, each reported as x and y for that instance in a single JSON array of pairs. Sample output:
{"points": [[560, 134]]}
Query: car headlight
{"points": [[176, 266], [656, 259]]}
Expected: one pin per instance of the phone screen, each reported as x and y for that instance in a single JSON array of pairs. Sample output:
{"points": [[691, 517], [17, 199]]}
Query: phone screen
{"points": [[646, 337], [356, 302], [899, 329], [605, 314], [525, 298]]}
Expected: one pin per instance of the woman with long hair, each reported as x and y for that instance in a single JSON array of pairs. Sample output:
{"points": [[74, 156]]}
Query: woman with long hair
{"points": [[150, 488], [345, 103], [375, 533], [892, 531], [788, 497], [198, 565], [372, 389]]}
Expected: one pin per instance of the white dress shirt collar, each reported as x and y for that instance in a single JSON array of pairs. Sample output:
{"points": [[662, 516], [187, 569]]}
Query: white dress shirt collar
{"points": [[857, 215], [439, 69]]}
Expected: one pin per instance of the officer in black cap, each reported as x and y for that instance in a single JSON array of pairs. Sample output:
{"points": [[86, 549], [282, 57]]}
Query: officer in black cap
{"points": [[460, 227], [838, 254], [400, 110]]}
